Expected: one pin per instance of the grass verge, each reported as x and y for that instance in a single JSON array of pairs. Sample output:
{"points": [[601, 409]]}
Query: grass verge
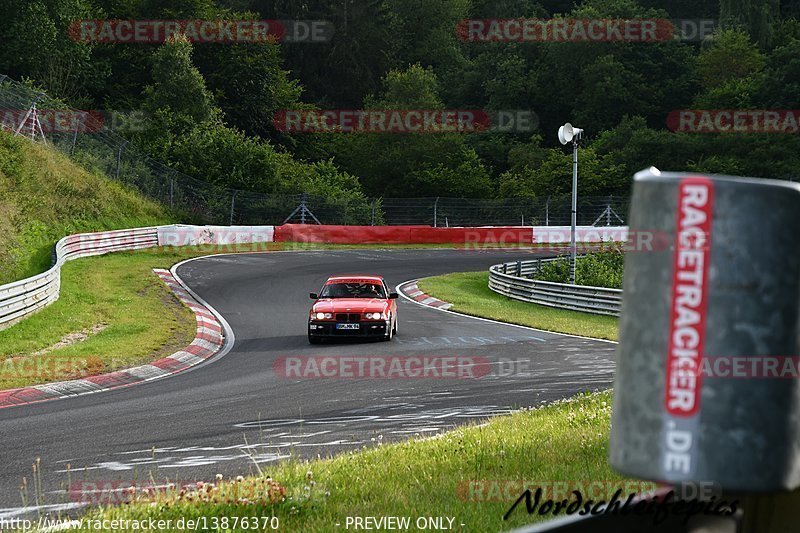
{"points": [[472, 474], [45, 196], [470, 294]]}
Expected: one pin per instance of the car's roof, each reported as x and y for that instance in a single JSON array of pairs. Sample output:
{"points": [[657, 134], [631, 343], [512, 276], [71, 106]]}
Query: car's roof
{"points": [[356, 277]]}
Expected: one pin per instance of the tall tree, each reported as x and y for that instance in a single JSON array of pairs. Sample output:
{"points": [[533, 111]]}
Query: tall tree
{"points": [[177, 101], [756, 17], [412, 164], [37, 43], [249, 83]]}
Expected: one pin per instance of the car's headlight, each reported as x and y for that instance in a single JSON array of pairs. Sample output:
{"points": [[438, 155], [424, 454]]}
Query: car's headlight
{"points": [[375, 316], [322, 316]]}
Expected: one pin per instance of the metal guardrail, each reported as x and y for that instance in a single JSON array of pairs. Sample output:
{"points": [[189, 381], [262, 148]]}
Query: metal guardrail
{"points": [[514, 279], [25, 297]]}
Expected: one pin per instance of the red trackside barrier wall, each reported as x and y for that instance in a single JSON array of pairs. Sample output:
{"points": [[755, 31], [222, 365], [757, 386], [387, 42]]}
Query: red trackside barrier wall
{"points": [[401, 234]]}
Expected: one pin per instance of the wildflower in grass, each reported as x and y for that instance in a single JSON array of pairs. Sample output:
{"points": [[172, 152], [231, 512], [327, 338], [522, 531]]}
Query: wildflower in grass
{"points": [[219, 477], [239, 479]]}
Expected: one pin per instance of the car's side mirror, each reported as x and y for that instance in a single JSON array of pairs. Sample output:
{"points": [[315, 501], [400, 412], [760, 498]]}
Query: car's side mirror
{"points": [[313, 296], [393, 296]]}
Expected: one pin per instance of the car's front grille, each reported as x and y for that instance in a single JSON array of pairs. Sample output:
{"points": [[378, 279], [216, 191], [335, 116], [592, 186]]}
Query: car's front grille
{"points": [[348, 317]]}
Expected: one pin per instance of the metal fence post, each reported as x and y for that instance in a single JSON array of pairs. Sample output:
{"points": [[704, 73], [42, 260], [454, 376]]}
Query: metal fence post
{"points": [[233, 205], [435, 209], [547, 212], [119, 157], [74, 139], [171, 191]]}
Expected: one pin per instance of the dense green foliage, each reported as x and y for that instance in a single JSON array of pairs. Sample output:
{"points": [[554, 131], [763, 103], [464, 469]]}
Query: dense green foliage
{"points": [[211, 106], [599, 268]]}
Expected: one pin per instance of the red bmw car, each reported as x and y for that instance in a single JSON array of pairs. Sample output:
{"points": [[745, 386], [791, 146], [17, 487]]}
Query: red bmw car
{"points": [[353, 306]]}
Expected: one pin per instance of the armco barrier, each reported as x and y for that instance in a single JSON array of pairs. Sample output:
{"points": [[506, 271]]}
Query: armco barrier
{"points": [[23, 298], [509, 279], [185, 235]]}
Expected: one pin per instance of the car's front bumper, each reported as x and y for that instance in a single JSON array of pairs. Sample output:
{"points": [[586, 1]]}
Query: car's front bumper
{"points": [[365, 329]]}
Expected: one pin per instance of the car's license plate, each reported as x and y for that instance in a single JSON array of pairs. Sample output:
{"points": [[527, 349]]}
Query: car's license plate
{"points": [[347, 326]]}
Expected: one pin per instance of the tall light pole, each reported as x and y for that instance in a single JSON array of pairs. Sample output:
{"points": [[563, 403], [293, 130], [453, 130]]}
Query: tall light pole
{"points": [[567, 133]]}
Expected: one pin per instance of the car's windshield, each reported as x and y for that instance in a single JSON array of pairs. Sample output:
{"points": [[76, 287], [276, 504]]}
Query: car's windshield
{"points": [[353, 290]]}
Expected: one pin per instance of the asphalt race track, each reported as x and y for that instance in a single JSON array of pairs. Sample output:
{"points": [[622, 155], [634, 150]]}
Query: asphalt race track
{"points": [[223, 416]]}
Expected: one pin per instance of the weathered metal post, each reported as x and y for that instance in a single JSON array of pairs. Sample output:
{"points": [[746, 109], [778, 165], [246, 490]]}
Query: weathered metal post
{"points": [[119, 158], [706, 389], [233, 206]]}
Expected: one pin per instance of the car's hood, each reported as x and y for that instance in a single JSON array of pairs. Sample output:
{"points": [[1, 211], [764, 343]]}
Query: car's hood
{"points": [[350, 305]]}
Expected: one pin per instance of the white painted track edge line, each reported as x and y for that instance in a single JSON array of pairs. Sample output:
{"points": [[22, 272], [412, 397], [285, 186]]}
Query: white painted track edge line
{"points": [[399, 290], [229, 338]]}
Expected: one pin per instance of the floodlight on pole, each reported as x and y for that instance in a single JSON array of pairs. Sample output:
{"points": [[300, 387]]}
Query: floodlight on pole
{"points": [[567, 133]]}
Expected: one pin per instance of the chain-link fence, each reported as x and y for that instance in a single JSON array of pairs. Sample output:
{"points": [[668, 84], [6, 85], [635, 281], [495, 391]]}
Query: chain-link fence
{"points": [[86, 138]]}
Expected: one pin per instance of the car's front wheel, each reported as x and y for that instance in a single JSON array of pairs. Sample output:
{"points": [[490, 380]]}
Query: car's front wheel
{"points": [[313, 340]]}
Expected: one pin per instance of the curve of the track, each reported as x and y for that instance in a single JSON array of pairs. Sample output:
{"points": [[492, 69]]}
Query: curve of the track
{"points": [[222, 417]]}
